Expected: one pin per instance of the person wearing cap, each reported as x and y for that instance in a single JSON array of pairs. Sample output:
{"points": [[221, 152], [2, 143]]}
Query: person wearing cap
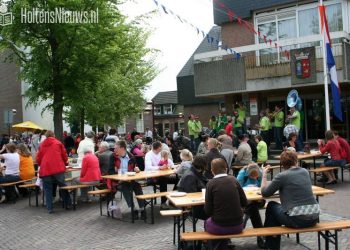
{"points": [[250, 176], [88, 142]]}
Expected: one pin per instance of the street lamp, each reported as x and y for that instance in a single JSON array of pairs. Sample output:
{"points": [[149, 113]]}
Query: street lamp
{"points": [[9, 118]]}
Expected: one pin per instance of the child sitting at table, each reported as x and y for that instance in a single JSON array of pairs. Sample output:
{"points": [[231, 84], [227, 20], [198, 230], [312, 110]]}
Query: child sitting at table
{"points": [[224, 201], [165, 161], [186, 162]]}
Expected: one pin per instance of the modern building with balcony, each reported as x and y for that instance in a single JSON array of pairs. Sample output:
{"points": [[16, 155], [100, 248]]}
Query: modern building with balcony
{"points": [[264, 75]]}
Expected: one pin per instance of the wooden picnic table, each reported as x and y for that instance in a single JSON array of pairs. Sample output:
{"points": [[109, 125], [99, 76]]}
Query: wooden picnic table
{"points": [[303, 156], [195, 199], [138, 176]]}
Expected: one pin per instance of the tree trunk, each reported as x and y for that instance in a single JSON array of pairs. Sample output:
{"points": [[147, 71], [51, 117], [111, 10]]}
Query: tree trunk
{"points": [[57, 115], [82, 122]]}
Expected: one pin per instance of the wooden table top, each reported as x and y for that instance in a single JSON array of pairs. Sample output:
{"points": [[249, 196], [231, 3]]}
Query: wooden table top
{"points": [[139, 176], [302, 156], [195, 199]]}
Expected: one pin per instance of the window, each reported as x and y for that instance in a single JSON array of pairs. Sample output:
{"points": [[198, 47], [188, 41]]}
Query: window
{"points": [[308, 22], [334, 17], [287, 29], [122, 129], [268, 29], [139, 123], [166, 127], [157, 110], [181, 125], [168, 109]]}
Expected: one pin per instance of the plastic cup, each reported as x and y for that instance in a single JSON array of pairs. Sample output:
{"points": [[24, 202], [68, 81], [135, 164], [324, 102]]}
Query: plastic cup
{"points": [[203, 193]]}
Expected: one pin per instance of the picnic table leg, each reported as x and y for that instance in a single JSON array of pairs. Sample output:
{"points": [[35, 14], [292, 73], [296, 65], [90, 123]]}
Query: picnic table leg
{"points": [[298, 238], [74, 196], [37, 196], [174, 230], [132, 203], [314, 158], [327, 240], [100, 205], [319, 241], [178, 232], [152, 211], [30, 194], [336, 239]]}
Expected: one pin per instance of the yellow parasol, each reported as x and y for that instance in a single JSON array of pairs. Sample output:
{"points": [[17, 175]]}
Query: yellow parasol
{"points": [[25, 126]]}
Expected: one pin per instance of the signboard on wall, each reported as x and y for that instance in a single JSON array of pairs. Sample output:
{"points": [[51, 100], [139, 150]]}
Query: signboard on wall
{"points": [[253, 104], [303, 65]]}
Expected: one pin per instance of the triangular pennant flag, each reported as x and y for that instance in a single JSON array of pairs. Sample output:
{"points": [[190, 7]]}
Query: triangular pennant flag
{"points": [[179, 18], [259, 34], [239, 20], [156, 2], [171, 12], [197, 30], [230, 15], [270, 42], [203, 33], [164, 9], [265, 39], [238, 55]]}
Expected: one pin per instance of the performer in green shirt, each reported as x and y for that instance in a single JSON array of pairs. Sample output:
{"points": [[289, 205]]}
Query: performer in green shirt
{"points": [[264, 126], [279, 124], [221, 122], [194, 128]]}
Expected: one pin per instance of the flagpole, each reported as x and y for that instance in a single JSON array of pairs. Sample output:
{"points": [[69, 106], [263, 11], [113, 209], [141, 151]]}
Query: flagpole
{"points": [[325, 75]]}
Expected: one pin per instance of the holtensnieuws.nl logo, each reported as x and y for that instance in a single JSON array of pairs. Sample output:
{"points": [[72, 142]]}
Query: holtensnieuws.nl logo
{"points": [[5, 17]]}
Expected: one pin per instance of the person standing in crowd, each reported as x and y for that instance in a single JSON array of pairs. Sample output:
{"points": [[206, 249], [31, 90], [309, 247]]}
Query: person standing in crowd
{"points": [[221, 121], [344, 145], [229, 127], [278, 116], [136, 151], [149, 136], [250, 176], [112, 138], [264, 126], [105, 158], [294, 119], [133, 134], [242, 110], [194, 128], [90, 173], [332, 146], [68, 142], [26, 164], [269, 115], [226, 150], [52, 159], [213, 124], [224, 203], [35, 143], [238, 123], [298, 207], [174, 150], [213, 153], [252, 144], [77, 141], [12, 163], [88, 142], [125, 162], [261, 148]]}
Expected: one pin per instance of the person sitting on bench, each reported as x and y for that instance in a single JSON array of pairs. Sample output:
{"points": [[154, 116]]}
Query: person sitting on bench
{"points": [[12, 161], [224, 201], [298, 208]]}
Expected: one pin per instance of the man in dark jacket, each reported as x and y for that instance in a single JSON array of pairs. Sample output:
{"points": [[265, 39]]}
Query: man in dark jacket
{"points": [[194, 181]]}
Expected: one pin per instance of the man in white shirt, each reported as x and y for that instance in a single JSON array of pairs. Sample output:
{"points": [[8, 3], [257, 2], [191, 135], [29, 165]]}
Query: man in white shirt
{"points": [[152, 159], [149, 136], [88, 142]]}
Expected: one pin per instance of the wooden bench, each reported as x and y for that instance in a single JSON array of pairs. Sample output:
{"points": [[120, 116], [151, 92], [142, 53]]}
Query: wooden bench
{"points": [[73, 189], [176, 214], [321, 170], [323, 229], [9, 184], [100, 193], [149, 200]]}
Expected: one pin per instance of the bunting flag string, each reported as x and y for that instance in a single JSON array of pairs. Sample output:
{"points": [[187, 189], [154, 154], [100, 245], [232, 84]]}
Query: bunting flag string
{"points": [[210, 39], [232, 16]]}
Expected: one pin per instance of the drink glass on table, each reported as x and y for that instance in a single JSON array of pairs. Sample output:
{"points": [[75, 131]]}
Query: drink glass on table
{"points": [[203, 193]]}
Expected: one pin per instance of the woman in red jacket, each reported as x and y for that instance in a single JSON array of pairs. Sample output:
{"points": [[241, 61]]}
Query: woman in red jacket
{"points": [[90, 172], [334, 149], [52, 159]]}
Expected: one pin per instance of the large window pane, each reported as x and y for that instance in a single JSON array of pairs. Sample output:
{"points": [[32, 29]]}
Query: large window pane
{"points": [[308, 22], [287, 29], [268, 56], [269, 30], [334, 17]]}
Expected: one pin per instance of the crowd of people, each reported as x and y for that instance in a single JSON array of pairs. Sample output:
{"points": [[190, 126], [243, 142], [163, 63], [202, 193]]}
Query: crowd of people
{"points": [[226, 208]]}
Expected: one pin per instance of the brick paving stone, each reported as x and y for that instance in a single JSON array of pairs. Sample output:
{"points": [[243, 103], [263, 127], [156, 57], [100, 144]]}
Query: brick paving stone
{"points": [[24, 227]]}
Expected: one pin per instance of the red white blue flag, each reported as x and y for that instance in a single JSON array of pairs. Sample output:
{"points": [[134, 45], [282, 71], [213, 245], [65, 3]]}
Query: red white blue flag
{"points": [[331, 65]]}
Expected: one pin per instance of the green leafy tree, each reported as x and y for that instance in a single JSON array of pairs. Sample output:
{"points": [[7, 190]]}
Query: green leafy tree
{"points": [[97, 68]]}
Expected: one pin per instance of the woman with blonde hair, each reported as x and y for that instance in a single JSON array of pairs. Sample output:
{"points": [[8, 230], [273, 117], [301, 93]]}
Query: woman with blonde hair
{"points": [[213, 153], [26, 164], [186, 162]]}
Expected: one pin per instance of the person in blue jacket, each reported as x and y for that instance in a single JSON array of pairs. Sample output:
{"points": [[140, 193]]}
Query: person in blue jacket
{"points": [[250, 176]]}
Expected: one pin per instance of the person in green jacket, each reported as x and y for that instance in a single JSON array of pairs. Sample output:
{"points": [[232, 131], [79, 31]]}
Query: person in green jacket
{"points": [[221, 121], [213, 124], [279, 124], [261, 148], [194, 128], [264, 126]]}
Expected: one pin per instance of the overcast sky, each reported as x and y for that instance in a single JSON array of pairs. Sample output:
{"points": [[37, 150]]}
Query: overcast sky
{"points": [[176, 41]]}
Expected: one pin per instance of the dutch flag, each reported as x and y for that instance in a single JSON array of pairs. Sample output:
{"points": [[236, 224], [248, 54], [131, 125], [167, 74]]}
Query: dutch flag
{"points": [[331, 65]]}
